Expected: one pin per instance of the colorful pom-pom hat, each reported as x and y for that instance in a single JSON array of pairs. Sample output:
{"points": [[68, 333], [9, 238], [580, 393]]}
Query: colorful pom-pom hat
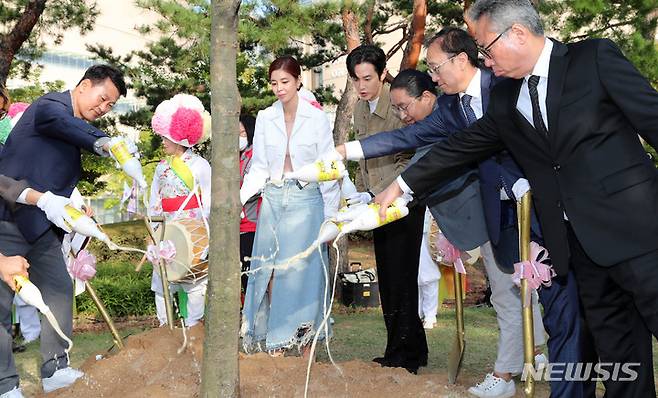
{"points": [[183, 120], [14, 113]]}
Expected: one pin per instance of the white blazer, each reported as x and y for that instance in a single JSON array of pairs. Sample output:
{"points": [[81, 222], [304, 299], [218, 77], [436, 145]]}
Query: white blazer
{"points": [[311, 137]]}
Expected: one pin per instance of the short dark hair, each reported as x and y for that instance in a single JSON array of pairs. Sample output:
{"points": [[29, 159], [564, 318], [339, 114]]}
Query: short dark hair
{"points": [[414, 82], [366, 53], [454, 40], [99, 73], [287, 63], [249, 123]]}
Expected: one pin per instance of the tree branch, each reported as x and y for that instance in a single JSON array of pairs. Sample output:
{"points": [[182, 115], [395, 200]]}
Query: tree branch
{"points": [[603, 29], [399, 44], [393, 28], [12, 41], [417, 35]]}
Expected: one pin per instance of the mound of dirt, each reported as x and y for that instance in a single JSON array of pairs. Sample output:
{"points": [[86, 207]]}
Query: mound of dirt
{"points": [[149, 366]]}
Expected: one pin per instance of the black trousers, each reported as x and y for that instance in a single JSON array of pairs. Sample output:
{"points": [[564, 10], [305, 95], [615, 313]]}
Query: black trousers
{"points": [[246, 245], [621, 308], [397, 249]]}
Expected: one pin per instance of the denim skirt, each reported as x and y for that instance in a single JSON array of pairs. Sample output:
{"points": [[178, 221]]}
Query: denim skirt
{"points": [[289, 221]]}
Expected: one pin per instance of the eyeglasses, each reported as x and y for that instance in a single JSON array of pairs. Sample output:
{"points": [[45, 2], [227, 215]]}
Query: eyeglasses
{"points": [[434, 70], [485, 50], [398, 110]]}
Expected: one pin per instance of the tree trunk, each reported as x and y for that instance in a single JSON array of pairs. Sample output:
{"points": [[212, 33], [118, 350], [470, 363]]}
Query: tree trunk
{"points": [[12, 41], [416, 36], [343, 122], [367, 27], [220, 375]]}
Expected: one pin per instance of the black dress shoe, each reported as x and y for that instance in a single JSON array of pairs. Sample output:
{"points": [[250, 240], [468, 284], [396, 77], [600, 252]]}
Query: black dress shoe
{"points": [[380, 360], [412, 370], [17, 347]]}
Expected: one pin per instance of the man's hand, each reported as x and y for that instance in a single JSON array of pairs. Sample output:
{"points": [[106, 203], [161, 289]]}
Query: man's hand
{"points": [[130, 146], [358, 198], [520, 188], [386, 197], [53, 205], [11, 267], [89, 212]]}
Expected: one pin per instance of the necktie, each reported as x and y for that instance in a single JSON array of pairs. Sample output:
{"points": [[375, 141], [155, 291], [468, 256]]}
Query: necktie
{"points": [[538, 121], [468, 110]]}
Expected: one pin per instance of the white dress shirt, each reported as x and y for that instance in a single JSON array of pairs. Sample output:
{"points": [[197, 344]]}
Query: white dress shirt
{"points": [[523, 104], [311, 137], [474, 89]]}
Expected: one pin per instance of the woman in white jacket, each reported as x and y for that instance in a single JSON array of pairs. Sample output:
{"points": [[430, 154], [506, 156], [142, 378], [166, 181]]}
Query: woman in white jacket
{"points": [[284, 307]]}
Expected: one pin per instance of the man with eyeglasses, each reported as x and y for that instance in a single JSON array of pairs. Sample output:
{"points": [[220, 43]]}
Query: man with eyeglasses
{"points": [[454, 66], [44, 149], [570, 114], [397, 245]]}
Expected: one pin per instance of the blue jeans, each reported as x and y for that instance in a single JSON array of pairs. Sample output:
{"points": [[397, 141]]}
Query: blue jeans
{"points": [[289, 221]]}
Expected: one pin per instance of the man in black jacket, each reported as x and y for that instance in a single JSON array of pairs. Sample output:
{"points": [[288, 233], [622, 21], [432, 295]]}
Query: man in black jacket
{"points": [[570, 115]]}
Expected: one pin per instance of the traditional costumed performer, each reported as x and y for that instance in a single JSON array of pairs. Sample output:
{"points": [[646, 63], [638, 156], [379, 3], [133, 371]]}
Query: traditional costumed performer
{"points": [[181, 188]]}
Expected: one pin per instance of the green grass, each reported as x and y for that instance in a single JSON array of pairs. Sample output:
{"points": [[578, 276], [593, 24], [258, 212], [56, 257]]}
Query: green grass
{"points": [[360, 334]]}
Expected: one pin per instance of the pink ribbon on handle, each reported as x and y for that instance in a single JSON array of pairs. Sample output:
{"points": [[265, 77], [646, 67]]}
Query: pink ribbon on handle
{"points": [[535, 271], [83, 266], [450, 254], [165, 251]]}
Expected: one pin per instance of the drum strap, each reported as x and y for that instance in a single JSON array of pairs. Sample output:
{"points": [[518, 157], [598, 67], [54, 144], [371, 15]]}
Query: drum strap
{"points": [[182, 171]]}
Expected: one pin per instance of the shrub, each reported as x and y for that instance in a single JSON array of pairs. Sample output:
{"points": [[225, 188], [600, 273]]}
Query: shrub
{"points": [[123, 291]]}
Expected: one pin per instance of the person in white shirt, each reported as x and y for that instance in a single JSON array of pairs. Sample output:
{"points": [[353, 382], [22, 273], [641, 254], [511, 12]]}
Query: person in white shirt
{"points": [[284, 307]]}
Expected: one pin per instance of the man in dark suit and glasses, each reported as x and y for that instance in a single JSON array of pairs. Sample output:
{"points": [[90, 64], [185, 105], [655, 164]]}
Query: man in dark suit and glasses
{"points": [[570, 115]]}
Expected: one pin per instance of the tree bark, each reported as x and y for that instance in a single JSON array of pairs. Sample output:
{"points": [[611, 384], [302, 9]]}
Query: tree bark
{"points": [[12, 41], [220, 375], [367, 27], [416, 36], [343, 121]]}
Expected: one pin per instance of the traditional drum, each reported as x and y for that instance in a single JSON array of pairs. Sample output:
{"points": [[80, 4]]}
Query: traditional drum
{"points": [[191, 241]]}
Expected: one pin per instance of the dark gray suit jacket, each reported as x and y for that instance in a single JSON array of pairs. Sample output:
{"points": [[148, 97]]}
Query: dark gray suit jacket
{"points": [[456, 203], [11, 189]]}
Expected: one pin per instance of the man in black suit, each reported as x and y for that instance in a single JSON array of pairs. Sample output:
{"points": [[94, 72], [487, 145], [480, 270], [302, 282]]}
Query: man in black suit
{"points": [[570, 115]]}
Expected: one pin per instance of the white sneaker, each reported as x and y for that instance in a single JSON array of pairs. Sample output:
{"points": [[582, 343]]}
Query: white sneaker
{"points": [[60, 379], [15, 393], [493, 387]]}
